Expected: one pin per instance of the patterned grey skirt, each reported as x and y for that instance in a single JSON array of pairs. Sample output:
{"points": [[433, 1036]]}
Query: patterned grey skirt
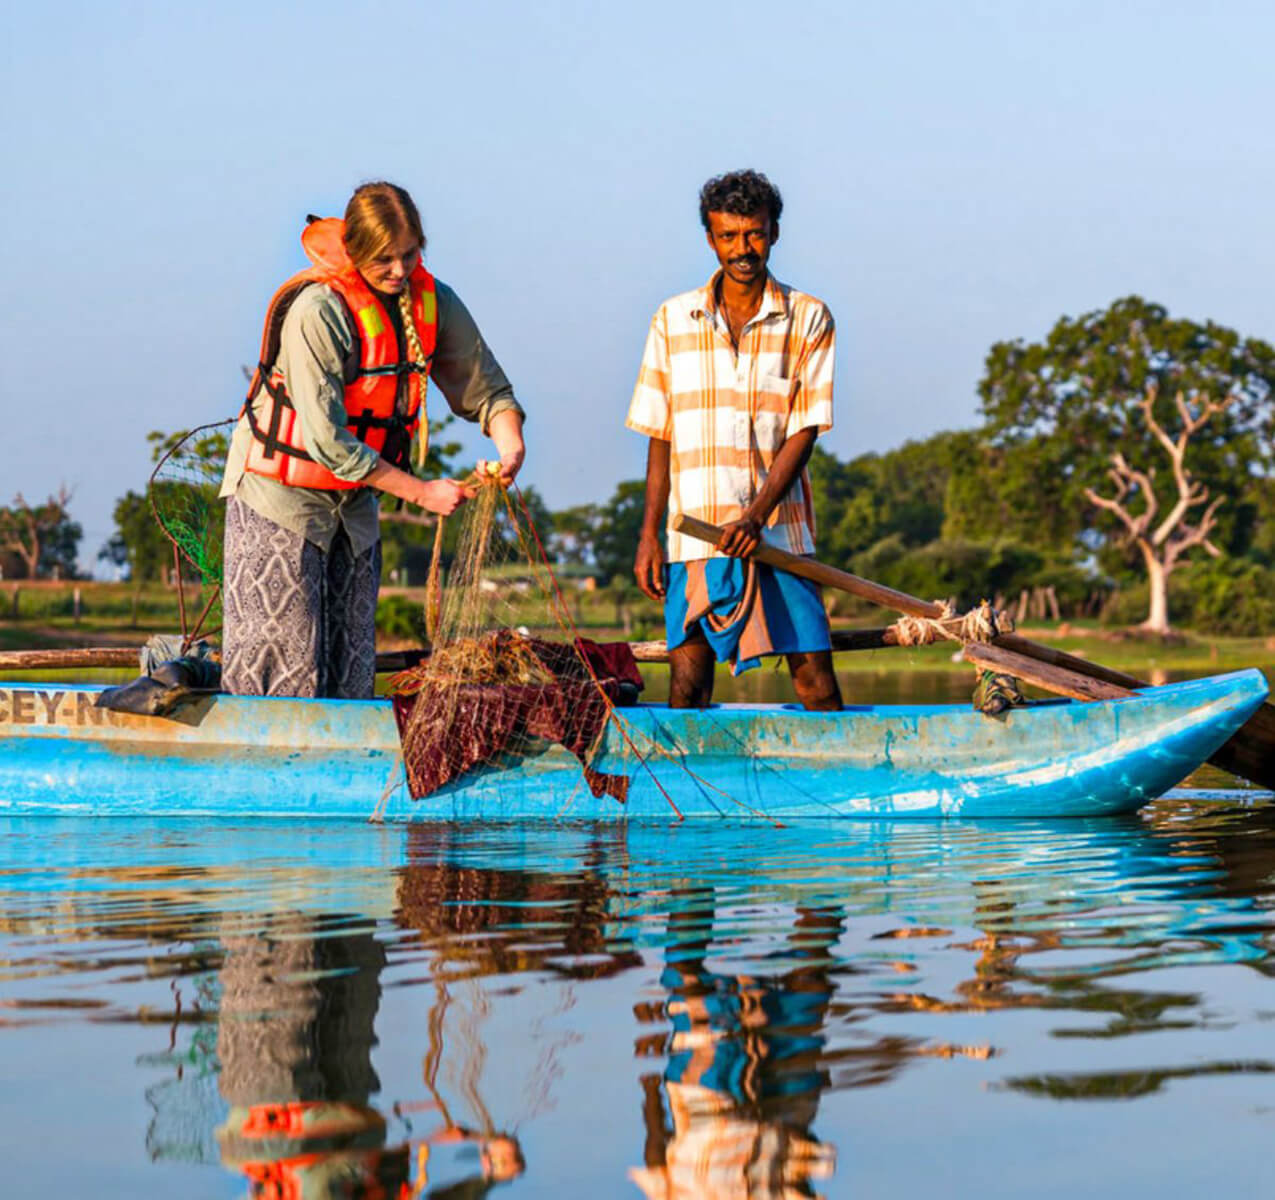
{"points": [[298, 621]]}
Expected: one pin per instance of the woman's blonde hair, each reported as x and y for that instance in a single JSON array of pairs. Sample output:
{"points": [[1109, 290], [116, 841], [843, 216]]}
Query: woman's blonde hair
{"points": [[378, 215]]}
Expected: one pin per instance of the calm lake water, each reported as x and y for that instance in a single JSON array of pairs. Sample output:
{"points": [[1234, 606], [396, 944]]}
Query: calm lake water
{"points": [[862, 1009]]}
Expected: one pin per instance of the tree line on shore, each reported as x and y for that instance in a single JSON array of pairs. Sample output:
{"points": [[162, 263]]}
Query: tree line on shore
{"points": [[1121, 469]]}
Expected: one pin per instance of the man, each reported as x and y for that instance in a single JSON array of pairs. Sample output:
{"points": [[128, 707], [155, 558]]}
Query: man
{"points": [[735, 385]]}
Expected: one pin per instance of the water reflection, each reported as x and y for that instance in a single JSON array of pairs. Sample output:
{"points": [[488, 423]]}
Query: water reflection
{"points": [[478, 922], [294, 1043], [744, 1076], [397, 1013]]}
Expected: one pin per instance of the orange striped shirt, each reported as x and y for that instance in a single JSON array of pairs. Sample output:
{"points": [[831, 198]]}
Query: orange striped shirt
{"points": [[726, 415]]}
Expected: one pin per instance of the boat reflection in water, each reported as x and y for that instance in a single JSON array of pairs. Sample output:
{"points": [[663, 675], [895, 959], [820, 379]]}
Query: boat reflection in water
{"points": [[436, 1010]]}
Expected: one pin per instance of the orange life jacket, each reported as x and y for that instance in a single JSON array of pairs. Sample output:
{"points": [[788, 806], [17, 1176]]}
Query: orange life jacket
{"points": [[277, 449], [370, 1172]]}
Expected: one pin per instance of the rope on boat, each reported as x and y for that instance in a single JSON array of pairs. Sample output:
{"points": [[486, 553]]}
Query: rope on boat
{"points": [[995, 691], [981, 624]]}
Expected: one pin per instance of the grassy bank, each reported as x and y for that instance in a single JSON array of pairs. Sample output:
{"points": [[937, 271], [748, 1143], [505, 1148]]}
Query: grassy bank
{"points": [[118, 614]]}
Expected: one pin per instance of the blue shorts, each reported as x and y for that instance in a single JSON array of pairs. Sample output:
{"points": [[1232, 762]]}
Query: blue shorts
{"points": [[791, 618]]}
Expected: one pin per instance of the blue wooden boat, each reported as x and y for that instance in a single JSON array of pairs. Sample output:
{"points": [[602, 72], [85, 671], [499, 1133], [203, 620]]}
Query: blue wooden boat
{"points": [[227, 756]]}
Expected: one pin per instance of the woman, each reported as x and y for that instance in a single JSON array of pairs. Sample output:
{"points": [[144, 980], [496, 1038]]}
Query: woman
{"points": [[335, 406]]}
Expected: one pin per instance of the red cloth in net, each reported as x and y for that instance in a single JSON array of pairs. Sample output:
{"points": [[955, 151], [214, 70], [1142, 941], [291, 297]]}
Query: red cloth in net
{"points": [[488, 720]]}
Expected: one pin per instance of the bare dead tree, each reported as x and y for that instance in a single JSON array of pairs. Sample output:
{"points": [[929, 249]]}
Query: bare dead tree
{"points": [[24, 528], [1163, 544]]}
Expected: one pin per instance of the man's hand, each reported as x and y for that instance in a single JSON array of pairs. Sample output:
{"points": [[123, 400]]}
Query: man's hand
{"points": [[648, 567], [740, 538]]}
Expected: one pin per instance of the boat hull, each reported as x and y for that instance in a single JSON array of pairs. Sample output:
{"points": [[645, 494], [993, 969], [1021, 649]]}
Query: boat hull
{"points": [[251, 757]]}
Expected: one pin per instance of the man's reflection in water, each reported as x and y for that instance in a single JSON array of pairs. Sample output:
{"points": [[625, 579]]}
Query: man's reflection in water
{"points": [[744, 1078], [294, 1038]]}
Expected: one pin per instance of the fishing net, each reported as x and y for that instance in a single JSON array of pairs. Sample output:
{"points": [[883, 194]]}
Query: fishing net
{"points": [[506, 671], [183, 497]]}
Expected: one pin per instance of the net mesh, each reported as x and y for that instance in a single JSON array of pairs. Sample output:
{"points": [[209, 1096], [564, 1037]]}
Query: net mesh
{"points": [[183, 495], [183, 498], [506, 670]]}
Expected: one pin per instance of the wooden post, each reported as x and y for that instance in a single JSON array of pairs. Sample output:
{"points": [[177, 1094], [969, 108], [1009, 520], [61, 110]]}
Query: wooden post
{"points": [[819, 572], [1052, 596]]}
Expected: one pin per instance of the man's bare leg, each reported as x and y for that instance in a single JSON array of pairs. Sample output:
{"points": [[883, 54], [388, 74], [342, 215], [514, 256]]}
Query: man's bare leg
{"points": [[814, 680], [691, 667]]}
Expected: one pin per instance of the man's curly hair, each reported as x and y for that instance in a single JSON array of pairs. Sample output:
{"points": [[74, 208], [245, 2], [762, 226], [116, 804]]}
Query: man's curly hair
{"points": [[742, 193]]}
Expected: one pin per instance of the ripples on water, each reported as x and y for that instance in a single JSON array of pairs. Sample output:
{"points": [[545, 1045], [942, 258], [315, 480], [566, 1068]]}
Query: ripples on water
{"points": [[859, 1009]]}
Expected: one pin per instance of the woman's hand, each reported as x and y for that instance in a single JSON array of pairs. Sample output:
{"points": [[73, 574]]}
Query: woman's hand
{"points": [[505, 430], [507, 465], [441, 496]]}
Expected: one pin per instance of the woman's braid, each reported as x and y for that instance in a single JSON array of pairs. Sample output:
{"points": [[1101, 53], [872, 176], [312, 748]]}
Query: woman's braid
{"points": [[416, 352]]}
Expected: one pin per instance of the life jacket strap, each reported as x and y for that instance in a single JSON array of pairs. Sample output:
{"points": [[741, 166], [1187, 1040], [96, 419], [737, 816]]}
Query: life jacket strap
{"points": [[361, 426], [269, 437], [410, 367]]}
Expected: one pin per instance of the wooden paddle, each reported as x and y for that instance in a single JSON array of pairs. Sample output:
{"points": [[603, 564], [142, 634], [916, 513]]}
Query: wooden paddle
{"points": [[1250, 754]]}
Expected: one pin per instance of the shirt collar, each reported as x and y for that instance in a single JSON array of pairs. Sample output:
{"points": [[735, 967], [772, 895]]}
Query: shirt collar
{"points": [[773, 301]]}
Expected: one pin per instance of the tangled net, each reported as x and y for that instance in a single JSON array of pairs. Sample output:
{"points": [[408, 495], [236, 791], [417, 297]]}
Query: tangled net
{"points": [[488, 690]]}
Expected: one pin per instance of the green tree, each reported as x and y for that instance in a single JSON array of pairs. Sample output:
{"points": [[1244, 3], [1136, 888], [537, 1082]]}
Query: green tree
{"points": [[574, 533], [545, 522], [1130, 381], [42, 538], [876, 496], [200, 451], [1018, 492], [138, 542], [619, 524], [964, 571]]}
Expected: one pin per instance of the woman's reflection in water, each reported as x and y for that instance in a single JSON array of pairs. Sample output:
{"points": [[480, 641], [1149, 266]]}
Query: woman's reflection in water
{"points": [[744, 1078], [294, 1039]]}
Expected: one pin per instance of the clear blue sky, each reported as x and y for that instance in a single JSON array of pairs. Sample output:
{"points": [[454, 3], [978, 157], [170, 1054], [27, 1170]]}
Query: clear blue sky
{"points": [[953, 174]]}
